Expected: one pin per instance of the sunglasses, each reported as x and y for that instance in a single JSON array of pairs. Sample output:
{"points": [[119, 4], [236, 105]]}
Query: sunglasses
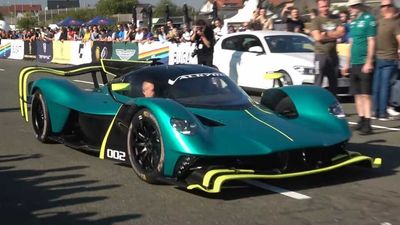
{"points": [[388, 5]]}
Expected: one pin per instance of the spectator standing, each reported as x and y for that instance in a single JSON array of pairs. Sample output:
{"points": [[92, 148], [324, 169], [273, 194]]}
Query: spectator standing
{"points": [[186, 33], [218, 31], [294, 23], [265, 21], [203, 37], [326, 29], [174, 36], [362, 47], [344, 19], [95, 35], [161, 35], [387, 44]]}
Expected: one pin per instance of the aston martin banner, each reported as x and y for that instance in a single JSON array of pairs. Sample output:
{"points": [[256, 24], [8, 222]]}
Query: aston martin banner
{"points": [[125, 51], [101, 50]]}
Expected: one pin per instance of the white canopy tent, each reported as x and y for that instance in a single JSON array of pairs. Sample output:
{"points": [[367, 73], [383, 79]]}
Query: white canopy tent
{"points": [[4, 25]]}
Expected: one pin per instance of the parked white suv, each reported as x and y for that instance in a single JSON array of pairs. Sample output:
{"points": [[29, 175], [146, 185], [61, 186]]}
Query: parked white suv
{"points": [[247, 56]]}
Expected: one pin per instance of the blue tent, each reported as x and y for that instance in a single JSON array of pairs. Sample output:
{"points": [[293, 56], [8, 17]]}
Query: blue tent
{"points": [[98, 20], [69, 21]]}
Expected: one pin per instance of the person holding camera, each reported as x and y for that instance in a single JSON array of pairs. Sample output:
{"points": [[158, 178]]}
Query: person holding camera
{"points": [[203, 37]]}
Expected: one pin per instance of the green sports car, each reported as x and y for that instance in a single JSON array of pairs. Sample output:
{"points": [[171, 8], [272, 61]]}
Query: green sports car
{"points": [[198, 130]]}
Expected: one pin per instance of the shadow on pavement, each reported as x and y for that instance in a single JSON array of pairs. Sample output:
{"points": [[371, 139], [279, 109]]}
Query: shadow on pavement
{"points": [[43, 196]]}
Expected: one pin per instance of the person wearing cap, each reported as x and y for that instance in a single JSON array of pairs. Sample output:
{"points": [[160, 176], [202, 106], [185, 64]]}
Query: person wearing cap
{"points": [[326, 29], [361, 58], [387, 43]]}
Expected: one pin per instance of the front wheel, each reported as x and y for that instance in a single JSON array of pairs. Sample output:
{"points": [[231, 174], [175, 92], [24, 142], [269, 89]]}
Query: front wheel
{"points": [[40, 117], [145, 146], [285, 80]]}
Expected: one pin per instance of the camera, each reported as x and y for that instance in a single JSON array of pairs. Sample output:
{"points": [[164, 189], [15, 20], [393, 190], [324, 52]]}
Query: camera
{"points": [[195, 52]]}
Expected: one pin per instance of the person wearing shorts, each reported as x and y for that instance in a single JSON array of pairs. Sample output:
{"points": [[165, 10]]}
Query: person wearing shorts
{"points": [[361, 59]]}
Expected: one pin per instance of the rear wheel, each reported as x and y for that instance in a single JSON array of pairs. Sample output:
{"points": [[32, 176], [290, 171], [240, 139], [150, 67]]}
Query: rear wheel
{"points": [[40, 117], [145, 146]]}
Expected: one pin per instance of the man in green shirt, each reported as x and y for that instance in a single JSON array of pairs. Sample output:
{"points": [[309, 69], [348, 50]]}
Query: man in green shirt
{"points": [[362, 47]]}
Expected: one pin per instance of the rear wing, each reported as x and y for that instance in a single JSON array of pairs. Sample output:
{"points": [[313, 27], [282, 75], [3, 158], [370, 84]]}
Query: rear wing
{"points": [[114, 68]]}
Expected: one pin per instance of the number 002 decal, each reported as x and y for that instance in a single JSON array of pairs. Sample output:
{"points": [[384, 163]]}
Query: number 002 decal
{"points": [[115, 154]]}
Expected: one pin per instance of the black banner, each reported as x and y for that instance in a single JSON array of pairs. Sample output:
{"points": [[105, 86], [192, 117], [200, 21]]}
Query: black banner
{"points": [[29, 49], [44, 51], [101, 50]]}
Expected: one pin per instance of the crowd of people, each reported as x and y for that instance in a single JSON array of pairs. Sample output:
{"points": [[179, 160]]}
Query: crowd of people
{"points": [[373, 56]]}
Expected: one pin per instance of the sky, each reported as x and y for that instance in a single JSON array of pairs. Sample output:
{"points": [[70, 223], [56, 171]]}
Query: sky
{"points": [[194, 3]]}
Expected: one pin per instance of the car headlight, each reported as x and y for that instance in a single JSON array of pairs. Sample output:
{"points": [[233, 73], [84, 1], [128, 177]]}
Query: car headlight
{"points": [[183, 126], [337, 110], [304, 70]]}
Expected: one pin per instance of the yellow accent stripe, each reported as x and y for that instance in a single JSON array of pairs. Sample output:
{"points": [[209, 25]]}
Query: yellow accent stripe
{"points": [[221, 179], [272, 76], [262, 110], [274, 128], [208, 176], [23, 78], [105, 139]]}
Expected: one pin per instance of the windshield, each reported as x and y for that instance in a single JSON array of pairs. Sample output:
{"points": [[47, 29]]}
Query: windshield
{"points": [[289, 44], [207, 90]]}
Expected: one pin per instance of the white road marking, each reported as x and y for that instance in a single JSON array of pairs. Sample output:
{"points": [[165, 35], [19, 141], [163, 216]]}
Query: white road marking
{"points": [[85, 82], [279, 190], [379, 127]]}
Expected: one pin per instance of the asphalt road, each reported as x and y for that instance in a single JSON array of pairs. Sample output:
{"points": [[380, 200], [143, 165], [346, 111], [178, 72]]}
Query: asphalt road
{"points": [[53, 184]]}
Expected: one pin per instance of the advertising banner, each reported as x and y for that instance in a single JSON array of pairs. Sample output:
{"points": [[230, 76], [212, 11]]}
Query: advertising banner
{"points": [[29, 49], [17, 49], [101, 50], [125, 51], [181, 54], [44, 51], [154, 50], [5, 48], [81, 52], [62, 52]]}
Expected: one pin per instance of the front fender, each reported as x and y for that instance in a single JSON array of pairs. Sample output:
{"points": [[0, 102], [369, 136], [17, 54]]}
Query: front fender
{"points": [[175, 143], [312, 104]]}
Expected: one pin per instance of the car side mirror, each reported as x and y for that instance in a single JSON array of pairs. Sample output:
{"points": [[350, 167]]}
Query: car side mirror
{"points": [[256, 49]]}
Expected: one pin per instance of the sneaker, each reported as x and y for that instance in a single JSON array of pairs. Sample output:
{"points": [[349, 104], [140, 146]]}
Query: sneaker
{"points": [[392, 112], [385, 118]]}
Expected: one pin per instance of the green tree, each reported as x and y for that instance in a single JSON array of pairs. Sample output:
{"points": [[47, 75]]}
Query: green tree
{"points": [[174, 10], [110, 7], [27, 21]]}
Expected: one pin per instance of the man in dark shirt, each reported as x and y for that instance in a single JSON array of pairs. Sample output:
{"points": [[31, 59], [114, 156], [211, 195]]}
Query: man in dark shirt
{"points": [[325, 30], [203, 37], [294, 23]]}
